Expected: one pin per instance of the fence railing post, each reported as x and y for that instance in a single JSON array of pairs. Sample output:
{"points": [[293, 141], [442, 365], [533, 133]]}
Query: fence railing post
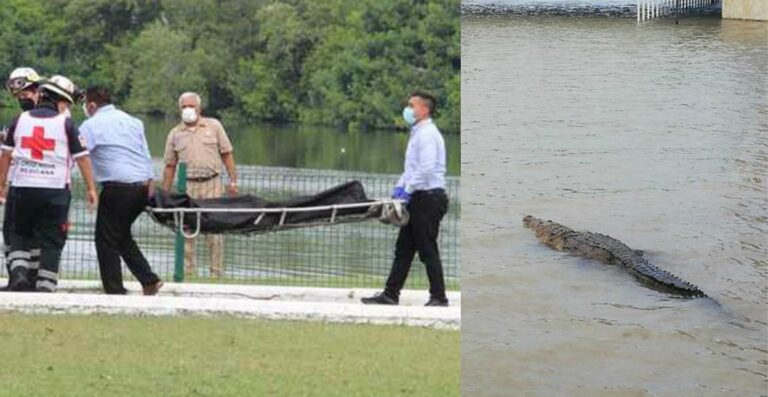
{"points": [[178, 252]]}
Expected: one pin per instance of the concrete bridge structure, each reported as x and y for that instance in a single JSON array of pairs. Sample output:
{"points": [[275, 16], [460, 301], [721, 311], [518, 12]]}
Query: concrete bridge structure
{"points": [[754, 10]]}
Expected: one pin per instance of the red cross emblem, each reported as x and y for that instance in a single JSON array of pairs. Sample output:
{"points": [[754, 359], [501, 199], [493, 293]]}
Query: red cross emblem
{"points": [[37, 143]]}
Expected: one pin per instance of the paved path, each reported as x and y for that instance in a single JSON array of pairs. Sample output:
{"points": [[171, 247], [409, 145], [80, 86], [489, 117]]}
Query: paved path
{"points": [[338, 305]]}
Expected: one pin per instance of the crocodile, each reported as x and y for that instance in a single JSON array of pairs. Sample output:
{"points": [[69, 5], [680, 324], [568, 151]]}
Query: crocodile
{"points": [[612, 251]]}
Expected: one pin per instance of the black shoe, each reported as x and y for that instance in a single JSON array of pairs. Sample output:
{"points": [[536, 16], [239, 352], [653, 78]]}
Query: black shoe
{"points": [[31, 286], [43, 289], [437, 302], [153, 288], [380, 299], [19, 281]]}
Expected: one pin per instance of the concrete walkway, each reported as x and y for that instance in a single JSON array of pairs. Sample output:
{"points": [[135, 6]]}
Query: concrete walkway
{"points": [[337, 305]]}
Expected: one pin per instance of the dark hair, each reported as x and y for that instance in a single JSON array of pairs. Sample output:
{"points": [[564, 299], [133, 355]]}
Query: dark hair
{"points": [[428, 98], [99, 95], [32, 87]]}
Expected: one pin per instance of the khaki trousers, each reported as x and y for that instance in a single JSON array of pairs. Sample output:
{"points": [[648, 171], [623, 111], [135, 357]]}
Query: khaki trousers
{"points": [[199, 190]]}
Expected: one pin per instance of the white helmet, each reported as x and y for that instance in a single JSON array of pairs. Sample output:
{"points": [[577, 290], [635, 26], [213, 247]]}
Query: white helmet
{"points": [[21, 79], [60, 86]]}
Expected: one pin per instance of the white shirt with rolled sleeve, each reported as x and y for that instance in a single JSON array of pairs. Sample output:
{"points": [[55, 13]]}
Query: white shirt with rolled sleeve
{"points": [[424, 159]]}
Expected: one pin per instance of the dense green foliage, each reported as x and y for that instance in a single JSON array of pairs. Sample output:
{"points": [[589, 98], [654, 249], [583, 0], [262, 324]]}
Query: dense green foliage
{"points": [[348, 63]]}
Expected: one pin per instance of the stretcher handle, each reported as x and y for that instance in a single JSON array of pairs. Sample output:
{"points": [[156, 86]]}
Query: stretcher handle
{"points": [[333, 213], [178, 219]]}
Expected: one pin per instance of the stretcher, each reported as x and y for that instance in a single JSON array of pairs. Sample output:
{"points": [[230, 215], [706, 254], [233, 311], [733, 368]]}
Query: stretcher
{"points": [[252, 214]]}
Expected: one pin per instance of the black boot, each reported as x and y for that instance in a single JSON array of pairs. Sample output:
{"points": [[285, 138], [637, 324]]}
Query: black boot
{"points": [[19, 280], [433, 301]]}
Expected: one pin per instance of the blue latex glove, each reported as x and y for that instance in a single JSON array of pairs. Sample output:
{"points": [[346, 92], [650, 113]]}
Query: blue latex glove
{"points": [[401, 194]]}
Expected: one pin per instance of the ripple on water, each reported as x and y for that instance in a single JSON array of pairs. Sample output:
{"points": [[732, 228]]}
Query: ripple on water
{"points": [[655, 134]]}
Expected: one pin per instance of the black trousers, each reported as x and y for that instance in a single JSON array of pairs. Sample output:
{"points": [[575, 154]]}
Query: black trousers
{"points": [[119, 206], [8, 231], [420, 235], [39, 219]]}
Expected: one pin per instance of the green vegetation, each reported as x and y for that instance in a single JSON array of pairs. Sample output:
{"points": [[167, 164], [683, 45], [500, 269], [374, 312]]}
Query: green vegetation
{"points": [[64, 355], [347, 63]]}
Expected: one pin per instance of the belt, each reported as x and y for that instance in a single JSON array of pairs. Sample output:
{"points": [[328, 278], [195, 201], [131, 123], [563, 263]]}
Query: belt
{"points": [[123, 184], [436, 191], [203, 178]]}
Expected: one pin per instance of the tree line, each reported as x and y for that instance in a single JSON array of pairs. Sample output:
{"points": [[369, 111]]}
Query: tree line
{"points": [[346, 63]]}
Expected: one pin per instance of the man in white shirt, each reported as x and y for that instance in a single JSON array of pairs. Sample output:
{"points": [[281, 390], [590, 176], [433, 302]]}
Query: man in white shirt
{"points": [[123, 166], [422, 186]]}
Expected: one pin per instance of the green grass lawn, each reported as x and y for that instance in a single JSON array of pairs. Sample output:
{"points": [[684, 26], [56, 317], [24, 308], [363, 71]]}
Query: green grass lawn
{"points": [[68, 355]]}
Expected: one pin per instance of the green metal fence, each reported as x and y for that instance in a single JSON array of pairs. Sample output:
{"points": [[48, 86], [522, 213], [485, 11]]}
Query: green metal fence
{"points": [[342, 255]]}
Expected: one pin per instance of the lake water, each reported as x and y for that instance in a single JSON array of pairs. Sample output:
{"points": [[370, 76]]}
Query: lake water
{"points": [[653, 133], [317, 147], [303, 146]]}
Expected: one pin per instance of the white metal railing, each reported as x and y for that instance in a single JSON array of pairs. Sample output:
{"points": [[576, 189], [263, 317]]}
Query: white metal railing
{"points": [[651, 9]]}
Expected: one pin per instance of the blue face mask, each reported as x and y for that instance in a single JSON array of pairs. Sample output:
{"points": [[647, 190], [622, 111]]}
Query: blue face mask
{"points": [[408, 116]]}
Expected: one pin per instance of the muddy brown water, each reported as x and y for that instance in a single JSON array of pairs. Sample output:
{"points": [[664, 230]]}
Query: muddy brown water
{"points": [[655, 134]]}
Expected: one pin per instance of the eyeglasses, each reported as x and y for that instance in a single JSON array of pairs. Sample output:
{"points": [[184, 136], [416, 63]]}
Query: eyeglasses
{"points": [[17, 84]]}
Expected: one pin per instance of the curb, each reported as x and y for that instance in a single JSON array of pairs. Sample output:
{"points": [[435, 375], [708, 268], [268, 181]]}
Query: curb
{"points": [[331, 305]]}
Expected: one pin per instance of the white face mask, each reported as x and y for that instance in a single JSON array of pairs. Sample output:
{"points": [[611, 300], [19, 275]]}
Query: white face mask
{"points": [[188, 115], [85, 111]]}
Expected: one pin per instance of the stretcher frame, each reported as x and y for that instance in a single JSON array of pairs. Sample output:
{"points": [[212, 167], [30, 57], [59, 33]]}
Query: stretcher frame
{"points": [[395, 205]]}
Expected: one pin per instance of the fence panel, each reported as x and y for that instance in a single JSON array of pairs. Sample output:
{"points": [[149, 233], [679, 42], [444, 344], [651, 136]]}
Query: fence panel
{"points": [[343, 255]]}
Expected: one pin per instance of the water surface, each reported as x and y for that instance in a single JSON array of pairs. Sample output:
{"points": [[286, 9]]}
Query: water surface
{"points": [[301, 146], [312, 146], [655, 134]]}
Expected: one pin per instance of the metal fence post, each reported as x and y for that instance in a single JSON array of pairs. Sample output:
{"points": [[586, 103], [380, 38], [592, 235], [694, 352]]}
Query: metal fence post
{"points": [[178, 252]]}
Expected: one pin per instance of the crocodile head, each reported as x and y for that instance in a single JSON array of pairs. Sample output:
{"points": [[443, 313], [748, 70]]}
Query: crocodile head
{"points": [[529, 220], [548, 232], [535, 224]]}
